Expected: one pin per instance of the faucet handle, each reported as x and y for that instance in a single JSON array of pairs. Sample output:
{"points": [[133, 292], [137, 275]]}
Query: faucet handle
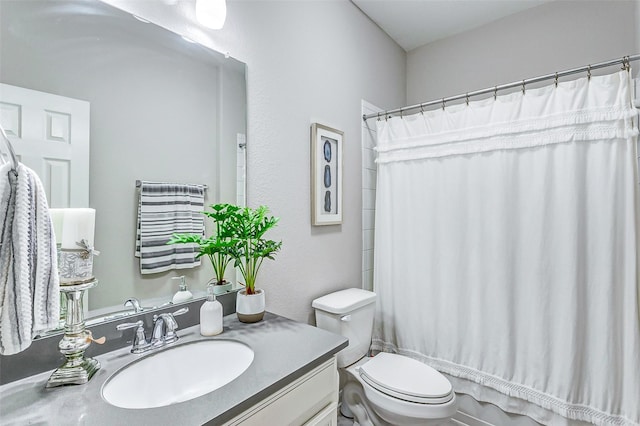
{"points": [[128, 325], [171, 314], [181, 311], [140, 343]]}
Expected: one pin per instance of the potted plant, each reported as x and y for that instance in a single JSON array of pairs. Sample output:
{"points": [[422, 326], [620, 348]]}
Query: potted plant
{"points": [[218, 246], [249, 250]]}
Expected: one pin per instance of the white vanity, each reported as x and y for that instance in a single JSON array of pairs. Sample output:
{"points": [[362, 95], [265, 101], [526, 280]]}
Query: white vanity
{"points": [[311, 400], [292, 380]]}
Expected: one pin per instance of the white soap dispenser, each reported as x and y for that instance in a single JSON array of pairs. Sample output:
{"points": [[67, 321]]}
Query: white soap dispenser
{"points": [[211, 314], [183, 293]]}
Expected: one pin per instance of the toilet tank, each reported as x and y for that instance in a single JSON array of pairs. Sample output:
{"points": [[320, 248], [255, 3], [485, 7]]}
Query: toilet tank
{"points": [[349, 313]]}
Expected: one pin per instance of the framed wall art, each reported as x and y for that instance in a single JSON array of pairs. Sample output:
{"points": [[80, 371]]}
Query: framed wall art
{"points": [[326, 175]]}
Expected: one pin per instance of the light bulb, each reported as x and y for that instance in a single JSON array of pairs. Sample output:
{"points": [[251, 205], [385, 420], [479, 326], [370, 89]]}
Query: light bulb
{"points": [[211, 13]]}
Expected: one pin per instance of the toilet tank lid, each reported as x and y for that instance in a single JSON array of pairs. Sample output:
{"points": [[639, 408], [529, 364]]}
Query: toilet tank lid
{"points": [[344, 301]]}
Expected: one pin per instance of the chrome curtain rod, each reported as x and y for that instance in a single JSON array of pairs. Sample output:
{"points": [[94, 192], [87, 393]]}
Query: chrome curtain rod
{"points": [[400, 111], [139, 184]]}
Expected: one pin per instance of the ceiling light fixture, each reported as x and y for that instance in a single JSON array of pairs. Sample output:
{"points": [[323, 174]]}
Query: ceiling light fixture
{"points": [[211, 13]]}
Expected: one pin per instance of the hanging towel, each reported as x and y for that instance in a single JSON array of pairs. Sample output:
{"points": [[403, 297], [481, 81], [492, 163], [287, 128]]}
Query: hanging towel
{"points": [[29, 283], [165, 209]]}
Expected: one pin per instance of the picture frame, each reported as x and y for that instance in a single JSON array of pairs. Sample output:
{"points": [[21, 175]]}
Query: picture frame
{"points": [[326, 175]]}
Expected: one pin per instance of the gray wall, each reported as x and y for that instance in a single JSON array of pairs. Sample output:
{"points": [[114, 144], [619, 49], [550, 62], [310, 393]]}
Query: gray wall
{"points": [[311, 61], [552, 37]]}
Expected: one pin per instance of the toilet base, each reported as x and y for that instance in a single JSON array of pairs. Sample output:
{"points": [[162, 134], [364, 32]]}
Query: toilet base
{"points": [[368, 407]]}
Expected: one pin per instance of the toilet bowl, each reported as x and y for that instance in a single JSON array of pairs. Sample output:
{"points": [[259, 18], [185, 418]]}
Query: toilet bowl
{"points": [[399, 391], [387, 389]]}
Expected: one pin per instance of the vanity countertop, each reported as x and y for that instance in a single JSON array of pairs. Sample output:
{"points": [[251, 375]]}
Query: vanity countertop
{"points": [[284, 350]]}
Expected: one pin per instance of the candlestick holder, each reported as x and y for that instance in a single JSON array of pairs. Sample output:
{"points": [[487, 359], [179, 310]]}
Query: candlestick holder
{"points": [[77, 369]]}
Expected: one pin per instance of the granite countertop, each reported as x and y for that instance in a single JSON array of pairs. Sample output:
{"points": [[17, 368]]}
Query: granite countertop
{"points": [[284, 350]]}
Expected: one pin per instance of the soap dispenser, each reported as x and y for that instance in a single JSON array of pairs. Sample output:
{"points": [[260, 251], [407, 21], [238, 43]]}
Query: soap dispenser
{"points": [[183, 293], [211, 314]]}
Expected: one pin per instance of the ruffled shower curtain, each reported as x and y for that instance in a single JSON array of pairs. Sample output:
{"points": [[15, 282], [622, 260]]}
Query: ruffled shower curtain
{"points": [[506, 247]]}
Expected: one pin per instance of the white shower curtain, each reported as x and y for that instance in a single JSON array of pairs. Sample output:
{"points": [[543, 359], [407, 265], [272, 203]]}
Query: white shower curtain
{"points": [[506, 247]]}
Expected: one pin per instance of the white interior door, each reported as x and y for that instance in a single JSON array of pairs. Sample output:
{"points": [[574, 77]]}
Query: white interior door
{"points": [[50, 134]]}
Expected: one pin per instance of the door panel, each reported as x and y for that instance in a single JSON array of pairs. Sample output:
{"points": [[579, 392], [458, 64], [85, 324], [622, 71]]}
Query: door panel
{"points": [[50, 134]]}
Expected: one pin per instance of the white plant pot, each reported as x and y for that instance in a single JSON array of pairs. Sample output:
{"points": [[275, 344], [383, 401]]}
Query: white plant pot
{"points": [[250, 307], [220, 289]]}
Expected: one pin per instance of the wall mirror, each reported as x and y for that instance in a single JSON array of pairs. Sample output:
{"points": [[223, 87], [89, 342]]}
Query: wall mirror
{"points": [[160, 108]]}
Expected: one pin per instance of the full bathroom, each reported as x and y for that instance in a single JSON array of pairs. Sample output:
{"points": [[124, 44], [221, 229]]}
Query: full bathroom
{"points": [[446, 197]]}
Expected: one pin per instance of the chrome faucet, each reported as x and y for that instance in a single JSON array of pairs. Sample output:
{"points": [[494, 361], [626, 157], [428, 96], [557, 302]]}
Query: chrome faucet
{"points": [[164, 331], [164, 328], [137, 307], [135, 303]]}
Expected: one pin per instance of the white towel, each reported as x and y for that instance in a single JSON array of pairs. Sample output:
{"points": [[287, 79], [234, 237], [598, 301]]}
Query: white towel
{"points": [[29, 283], [165, 209]]}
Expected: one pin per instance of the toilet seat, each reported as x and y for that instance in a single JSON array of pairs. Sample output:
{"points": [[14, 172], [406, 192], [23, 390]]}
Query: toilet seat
{"points": [[407, 379]]}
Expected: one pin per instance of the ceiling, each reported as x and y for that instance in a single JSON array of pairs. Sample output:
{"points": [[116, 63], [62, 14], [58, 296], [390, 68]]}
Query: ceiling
{"points": [[414, 23]]}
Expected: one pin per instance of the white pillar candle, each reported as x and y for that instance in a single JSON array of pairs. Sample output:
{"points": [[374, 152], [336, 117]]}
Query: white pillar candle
{"points": [[78, 225], [57, 218]]}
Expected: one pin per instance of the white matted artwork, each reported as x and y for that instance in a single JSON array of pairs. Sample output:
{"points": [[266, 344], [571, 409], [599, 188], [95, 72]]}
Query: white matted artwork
{"points": [[326, 175]]}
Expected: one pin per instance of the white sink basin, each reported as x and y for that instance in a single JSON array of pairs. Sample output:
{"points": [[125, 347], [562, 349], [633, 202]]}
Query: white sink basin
{"points": [[177, 374]]}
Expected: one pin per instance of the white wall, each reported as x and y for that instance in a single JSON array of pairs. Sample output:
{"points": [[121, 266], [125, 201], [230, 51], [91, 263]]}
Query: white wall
{"points": [[552, 37], [310, 61]]}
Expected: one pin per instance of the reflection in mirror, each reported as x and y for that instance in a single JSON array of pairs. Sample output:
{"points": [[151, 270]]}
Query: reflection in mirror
{"points": [[146, 105]]}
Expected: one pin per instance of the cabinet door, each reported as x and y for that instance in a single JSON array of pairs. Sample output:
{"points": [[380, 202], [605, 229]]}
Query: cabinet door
{"points": [[298, 402]]}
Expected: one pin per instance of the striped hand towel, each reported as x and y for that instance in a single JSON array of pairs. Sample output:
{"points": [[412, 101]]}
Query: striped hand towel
{"points": [[29, 282], [165, 209]]}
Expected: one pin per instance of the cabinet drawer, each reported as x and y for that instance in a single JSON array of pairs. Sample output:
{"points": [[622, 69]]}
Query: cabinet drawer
{"points": [[297, 402], [327, 417]]}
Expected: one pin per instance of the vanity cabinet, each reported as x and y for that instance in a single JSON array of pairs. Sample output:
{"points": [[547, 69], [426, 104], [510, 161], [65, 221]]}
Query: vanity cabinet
{"points": [[298, 387], [311, 400]]}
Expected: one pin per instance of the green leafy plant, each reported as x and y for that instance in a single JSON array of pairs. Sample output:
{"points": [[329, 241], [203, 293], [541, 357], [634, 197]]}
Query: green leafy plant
{"points": [[217, 247], [248, 227]]}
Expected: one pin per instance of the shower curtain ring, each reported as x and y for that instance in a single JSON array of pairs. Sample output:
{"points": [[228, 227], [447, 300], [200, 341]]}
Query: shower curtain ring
{"points": [[443, 104], [523, 89], [495, 93], [378, 116], [589, 72], [401, 113], [556, 79], [422, 109], [467, 97]]}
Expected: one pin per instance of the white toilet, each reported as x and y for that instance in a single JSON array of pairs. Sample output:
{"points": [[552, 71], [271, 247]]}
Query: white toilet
{"points": [[386, 389]]}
